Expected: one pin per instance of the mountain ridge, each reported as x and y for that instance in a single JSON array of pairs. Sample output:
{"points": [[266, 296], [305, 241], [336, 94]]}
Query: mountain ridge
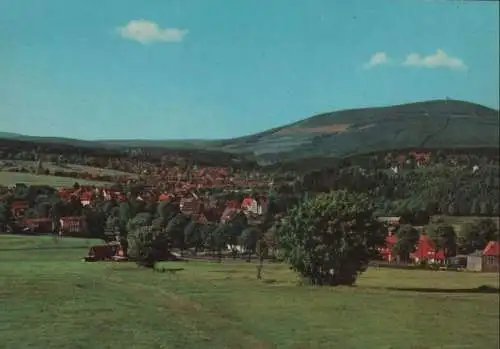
{"points": [[433, 124]]}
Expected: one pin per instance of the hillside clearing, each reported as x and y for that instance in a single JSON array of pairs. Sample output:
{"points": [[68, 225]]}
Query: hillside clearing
{"points": [[336, 128], [52, 166], [11, 178], [53, 300]]}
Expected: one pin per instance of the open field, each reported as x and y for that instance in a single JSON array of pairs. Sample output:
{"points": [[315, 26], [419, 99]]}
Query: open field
{"points": [[51, 166], [53, 300], [10, 178]]}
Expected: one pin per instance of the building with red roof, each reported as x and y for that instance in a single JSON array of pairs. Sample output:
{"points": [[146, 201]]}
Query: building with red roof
{"points": [[18, 207], [426, 250], [386, 251], [163, 197], [85, 198], [491, 257], [250, 205], [492, 249]]}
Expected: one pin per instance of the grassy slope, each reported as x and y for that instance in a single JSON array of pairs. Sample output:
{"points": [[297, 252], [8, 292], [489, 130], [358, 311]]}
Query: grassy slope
{"points": [[10, 178], [433, 124], [68, 168], [52, 300]]}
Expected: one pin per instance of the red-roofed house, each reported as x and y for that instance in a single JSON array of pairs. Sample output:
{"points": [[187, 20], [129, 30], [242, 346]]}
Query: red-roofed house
{"points": [[163, 197], [421, 157], [386, 252], [254, 206], [439, 256], [426, 250], [491, 257], [85, 198], [17, 208], [250, 205]]}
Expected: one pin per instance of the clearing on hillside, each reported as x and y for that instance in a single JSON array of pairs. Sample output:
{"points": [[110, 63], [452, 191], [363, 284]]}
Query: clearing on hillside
{"points": [[11, 178], [50, 299], [8, 165], [336, 128]]}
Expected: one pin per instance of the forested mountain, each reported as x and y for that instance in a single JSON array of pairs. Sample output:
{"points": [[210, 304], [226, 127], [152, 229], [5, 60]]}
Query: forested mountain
{"points": [[437, 124]]}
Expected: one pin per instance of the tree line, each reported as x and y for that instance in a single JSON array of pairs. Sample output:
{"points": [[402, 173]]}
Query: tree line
{"points": [[328, 238]]}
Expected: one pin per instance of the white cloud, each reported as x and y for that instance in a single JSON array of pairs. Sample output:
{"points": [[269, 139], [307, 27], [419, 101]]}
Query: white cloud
{"points": [[147, 32], [440, 59], [378, 58]]}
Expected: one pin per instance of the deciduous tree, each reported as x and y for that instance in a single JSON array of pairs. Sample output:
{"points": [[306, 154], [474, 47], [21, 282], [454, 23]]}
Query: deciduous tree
{"points": [[331, 238]]}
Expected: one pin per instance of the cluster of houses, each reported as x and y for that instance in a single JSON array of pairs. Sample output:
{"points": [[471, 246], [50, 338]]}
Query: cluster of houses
{"points": [[203, 208], [487, 260], [181, 180]]}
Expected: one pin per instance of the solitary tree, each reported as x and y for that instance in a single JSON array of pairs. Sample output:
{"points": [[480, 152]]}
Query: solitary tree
{"points": [[331, 238], [248, 240], [193, 235], [175, 230], [220, 236], [262, 251], [271, 240]]}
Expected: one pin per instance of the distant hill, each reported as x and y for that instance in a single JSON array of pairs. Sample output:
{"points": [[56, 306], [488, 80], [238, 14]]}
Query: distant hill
{"points": [[434, 124], [446, 124]]}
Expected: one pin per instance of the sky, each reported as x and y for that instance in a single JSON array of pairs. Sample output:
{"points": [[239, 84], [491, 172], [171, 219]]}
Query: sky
{"points": [[190, 69]]}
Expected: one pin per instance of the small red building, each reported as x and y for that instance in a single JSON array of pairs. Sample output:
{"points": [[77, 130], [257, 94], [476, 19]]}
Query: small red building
{"points": [[491, 257], [86, 198], [386, 251], [163, 197], [17, 208], [426, 250]]}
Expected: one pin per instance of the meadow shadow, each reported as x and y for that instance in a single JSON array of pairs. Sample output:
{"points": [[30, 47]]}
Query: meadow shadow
{"points": [[476, 290]]}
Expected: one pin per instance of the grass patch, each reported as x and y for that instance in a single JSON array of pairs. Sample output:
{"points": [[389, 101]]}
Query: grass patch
{"points": [[56, 301], [10, 178], [52, 166]]}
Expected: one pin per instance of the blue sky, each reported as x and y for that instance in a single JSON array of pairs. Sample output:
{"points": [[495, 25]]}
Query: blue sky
{"points": [[169, 69]]}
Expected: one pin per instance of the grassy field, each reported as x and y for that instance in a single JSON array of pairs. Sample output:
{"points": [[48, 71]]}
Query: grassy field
{"points": [[51, 166], [50, 299], [10, 178]]}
